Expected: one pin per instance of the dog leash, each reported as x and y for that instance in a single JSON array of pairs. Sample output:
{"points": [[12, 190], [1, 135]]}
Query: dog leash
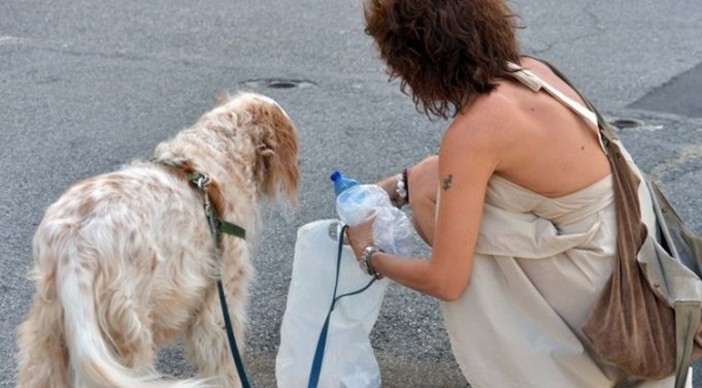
{"points": [[316, 369], [217, 227]]}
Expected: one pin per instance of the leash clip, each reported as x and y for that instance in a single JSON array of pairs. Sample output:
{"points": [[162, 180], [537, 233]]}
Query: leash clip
{"points": [[203, 181]]}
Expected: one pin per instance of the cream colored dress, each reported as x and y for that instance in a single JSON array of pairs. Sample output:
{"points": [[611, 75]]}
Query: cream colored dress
{"points": [[539, 266]]}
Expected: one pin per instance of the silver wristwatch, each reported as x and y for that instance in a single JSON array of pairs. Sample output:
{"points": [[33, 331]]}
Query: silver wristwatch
{"points": [[365, 260]]}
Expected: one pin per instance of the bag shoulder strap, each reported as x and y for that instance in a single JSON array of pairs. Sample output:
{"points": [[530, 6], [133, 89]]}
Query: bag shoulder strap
{"points": [[606, 131], [535, 83]]}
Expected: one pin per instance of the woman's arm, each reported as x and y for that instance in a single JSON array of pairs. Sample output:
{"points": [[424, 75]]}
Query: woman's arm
{"points": [[467, 159], [423, 179]]}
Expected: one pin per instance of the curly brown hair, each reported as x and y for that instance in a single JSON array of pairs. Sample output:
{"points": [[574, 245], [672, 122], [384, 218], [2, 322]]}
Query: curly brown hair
{"points": [[445, 51]]}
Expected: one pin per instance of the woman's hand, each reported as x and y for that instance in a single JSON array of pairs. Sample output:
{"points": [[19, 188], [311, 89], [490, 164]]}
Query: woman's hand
{"points": [[360, 236]]}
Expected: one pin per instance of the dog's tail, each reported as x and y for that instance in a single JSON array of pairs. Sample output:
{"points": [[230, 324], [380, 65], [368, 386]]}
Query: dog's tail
{"points": [[93, 362]]}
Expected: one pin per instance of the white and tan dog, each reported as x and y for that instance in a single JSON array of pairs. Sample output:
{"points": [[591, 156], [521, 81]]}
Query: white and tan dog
{"points": [[124, 262]]}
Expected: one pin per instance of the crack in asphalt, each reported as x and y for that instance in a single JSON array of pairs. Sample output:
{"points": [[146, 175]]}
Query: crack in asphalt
{"points": [[594, 21]]}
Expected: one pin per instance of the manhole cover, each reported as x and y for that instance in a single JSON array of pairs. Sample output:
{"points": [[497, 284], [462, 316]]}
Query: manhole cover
{"points": [[277, 83], [626, 123]]}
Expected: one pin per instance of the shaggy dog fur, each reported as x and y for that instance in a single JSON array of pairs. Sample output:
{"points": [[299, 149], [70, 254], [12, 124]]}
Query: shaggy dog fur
{"points": [[124, 261]]}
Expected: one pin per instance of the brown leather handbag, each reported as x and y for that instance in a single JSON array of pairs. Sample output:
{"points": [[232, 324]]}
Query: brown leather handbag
{"points": [[647, 321]]}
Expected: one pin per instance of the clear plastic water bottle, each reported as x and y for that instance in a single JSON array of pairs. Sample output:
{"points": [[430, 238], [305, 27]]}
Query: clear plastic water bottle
{"points": [[356, 203], [342, 182]]}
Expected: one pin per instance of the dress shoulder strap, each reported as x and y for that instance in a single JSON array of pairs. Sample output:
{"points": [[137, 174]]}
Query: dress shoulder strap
{"points": [[533, 82]]}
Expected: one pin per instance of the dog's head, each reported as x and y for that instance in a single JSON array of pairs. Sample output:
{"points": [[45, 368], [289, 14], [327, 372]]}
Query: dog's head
{"points": [[276, 165]]}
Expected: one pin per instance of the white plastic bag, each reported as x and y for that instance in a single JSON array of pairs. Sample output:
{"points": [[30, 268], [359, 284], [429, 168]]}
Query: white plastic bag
{"points": [[348, 358]]}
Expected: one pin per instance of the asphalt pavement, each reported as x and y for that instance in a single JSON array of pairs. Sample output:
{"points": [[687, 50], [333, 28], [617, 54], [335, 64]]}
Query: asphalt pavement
{"points": [[86, 86]]}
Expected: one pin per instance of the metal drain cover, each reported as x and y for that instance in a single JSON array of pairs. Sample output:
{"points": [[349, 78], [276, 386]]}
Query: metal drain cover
{"points": [[277, 83], [626, 123]]}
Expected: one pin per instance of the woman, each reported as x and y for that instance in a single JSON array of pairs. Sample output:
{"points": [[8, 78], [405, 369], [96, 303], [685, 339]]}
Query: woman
{"points": [[518, 206]]}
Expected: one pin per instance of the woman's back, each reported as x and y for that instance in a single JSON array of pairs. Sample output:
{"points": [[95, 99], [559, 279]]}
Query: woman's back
{"points": [[547, 147]]}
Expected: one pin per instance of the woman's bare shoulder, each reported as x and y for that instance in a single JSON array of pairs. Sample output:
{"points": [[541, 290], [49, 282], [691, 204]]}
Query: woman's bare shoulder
{"points": [[495, 119]]}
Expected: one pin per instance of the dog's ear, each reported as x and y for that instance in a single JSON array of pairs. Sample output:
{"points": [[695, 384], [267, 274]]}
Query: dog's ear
{"points": [[277, 150]]}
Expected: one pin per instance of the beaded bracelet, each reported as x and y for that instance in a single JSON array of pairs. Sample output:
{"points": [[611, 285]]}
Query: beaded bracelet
{"points": [[402, 188]]}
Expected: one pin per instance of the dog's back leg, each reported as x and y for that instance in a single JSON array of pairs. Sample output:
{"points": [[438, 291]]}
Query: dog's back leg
{"points": [[206, 343], [103, 325], [43, 360], [126, 320]]}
